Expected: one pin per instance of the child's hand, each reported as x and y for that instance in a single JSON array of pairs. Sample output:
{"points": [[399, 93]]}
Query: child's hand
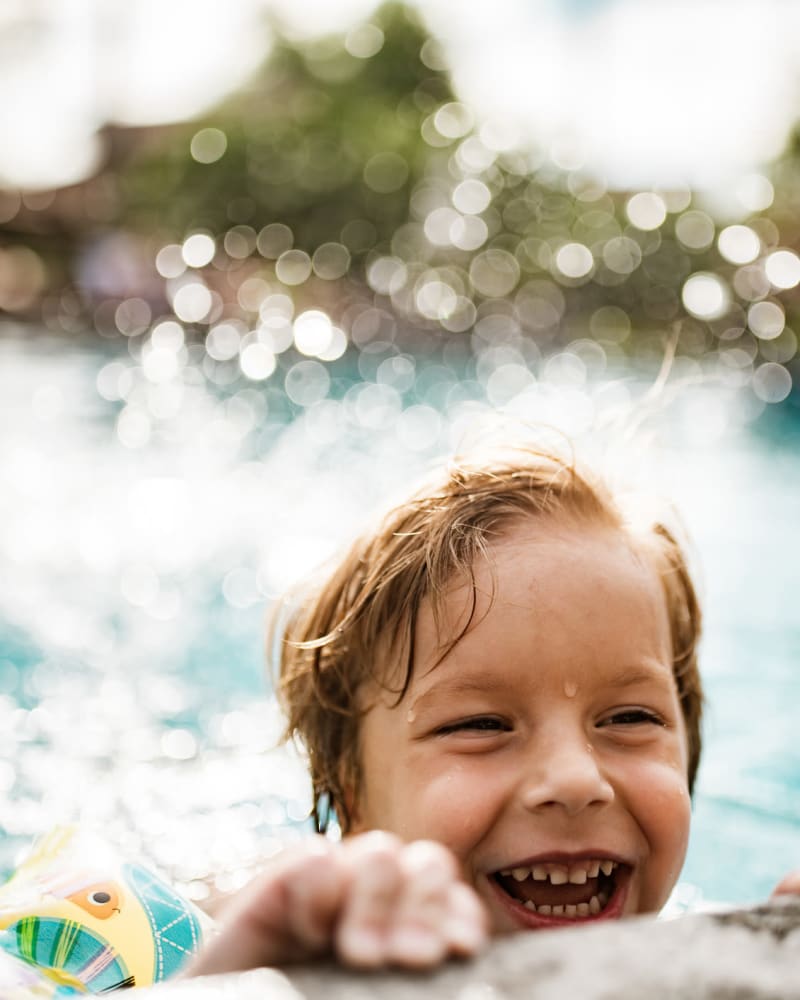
{"points": [[370, 901], [789, 885]]}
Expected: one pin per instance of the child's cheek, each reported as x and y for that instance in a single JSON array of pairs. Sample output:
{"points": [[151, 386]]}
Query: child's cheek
{"points": [[672, 801], [665, 816], [456, 804], [666, 788]]}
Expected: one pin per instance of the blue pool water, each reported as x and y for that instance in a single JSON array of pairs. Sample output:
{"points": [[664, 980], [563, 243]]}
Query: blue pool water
{"points": [[147, 522]]}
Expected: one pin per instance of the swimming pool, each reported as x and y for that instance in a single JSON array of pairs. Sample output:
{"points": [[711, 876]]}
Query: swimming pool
{"points": [[147, 522]]}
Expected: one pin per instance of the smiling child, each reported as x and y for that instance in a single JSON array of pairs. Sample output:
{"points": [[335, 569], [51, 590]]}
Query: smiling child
{"points": [[502, 677]]}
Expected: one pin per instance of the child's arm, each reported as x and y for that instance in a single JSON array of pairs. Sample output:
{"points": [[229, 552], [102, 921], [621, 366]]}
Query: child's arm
{"points": [[789, 885], [370, 901]]}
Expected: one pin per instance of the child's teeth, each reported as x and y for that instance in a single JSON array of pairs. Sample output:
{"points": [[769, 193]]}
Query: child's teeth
{"points": [[573, 911], [577, 874]]}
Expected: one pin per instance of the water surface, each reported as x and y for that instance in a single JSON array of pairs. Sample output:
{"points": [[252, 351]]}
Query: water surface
{"points": [[146, 524]]}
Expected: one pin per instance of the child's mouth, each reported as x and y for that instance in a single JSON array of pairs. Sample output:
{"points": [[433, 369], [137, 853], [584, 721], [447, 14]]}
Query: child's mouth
{"points": [[549, 892]]}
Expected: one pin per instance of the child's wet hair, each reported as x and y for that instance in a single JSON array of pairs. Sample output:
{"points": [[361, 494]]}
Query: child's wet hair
{"points": [[359, 624]]}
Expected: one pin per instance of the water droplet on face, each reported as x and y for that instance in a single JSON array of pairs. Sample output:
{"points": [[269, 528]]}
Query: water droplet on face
{"points": [[570, 689]]}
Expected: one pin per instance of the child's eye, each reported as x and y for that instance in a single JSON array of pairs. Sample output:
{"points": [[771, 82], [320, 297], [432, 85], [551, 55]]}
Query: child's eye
{"points": [[478, 723], [634, 717]]}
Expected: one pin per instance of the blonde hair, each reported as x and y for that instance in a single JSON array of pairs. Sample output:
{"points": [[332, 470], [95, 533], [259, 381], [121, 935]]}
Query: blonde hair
{"points": [[359, 624]]}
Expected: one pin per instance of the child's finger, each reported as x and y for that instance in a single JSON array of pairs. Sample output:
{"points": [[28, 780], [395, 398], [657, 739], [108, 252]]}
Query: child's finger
{"points": [[437, 915], [467, 922], [375, 887], [313, 888], [789, 885], [287, 913]]}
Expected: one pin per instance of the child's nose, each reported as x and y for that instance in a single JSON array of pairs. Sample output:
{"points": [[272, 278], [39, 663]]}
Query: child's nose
{"points": [[565, 773]]}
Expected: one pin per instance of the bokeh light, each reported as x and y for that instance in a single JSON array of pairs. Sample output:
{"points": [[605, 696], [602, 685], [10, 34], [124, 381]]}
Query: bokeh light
{"points": [[274, 239], [766, 319], [208, 145], [739, 244], [782, 267], [293, 267], [198, 250], [695, 230], [705, 296], [772, 382], [646, 210], [313, 332], [574, 260]]}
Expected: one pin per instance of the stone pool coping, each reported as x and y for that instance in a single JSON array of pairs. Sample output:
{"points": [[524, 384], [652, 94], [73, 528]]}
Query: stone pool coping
{"points": [[747, 954]]}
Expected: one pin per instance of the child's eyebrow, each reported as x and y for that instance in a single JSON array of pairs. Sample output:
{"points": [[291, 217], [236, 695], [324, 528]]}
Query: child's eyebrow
{"points": [[486, 683], [644, 673]]}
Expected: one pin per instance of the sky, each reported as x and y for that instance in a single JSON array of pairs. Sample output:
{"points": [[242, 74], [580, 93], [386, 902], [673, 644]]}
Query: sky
{"points": [[644, 92]]}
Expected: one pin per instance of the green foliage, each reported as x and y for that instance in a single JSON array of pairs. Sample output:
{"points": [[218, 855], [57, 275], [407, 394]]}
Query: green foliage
{"points": [[299, 138]]}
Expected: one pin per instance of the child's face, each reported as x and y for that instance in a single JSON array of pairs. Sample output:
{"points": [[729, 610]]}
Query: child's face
{"points": [[549, 739]]}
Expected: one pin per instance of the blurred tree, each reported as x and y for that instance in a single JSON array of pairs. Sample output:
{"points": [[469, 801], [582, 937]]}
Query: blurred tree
{"points": [[354, 154], [320, 138]]}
